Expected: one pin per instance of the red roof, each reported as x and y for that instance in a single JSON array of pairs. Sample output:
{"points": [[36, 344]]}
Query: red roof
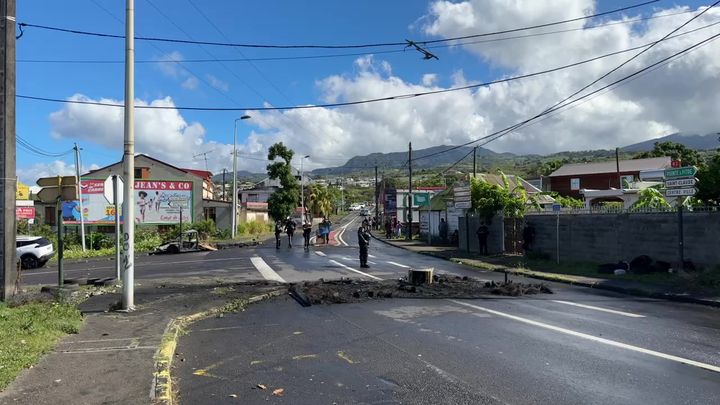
{"points": [[200, 173]]}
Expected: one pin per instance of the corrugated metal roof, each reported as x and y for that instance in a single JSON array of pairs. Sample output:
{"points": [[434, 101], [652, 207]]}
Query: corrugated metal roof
{"points": [[633, 165]]}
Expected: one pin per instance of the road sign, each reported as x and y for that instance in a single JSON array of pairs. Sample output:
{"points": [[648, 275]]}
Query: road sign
{"points": [[463, 204], [680, 192], [57, 180], [108, 191], [421, 199], [681, 182], [687, 171], [23, 192], [64, 187], [556, 207]]}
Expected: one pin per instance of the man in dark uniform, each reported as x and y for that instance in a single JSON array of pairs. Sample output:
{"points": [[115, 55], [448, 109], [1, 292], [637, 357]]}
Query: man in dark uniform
{"points": [[290, 229], [482, 234], [278, 232], [528, 236], [363, 242], [307, 227]]}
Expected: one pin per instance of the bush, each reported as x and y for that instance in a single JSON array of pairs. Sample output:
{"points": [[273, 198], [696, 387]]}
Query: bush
{"points": [[147, 239], [205, 228], [222, 234], [256, 228]]}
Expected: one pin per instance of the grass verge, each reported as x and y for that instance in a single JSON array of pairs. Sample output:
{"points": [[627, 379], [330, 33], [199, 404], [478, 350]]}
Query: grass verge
{"points": [[30, 330]]}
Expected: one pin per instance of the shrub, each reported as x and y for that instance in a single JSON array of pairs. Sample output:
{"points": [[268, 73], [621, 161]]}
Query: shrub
{"points": [[205, 228], [256, 228]]}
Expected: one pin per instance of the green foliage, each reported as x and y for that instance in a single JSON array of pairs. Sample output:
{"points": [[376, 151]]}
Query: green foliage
{"points": [[487, 199], [282, 203], [319, 200], [206, 228], [567, 202], [147, 239], [253, 228], [546, 168], [30, 330], [650, 198], [676, 151], [709, 185]]}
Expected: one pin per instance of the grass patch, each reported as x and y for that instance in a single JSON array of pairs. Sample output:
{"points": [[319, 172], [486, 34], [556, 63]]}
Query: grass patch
{"points": [[30, 330]]}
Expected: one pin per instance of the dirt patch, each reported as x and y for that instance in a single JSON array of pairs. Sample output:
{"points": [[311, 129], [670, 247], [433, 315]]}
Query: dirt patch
{"points": [[443, 286]]}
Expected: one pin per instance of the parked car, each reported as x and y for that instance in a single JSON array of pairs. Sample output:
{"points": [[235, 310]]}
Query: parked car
{"points": [[33, 251], [365, 212]]}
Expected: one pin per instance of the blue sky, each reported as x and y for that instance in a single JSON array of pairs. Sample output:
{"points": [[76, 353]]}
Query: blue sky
{"points": [[289, 82]]}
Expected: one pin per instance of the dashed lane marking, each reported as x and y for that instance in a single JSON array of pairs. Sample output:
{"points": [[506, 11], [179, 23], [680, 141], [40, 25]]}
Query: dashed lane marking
{"points": [[335, 262], [266, 270], [319, 253], [581, 335], [611, 311], [399, 265]]}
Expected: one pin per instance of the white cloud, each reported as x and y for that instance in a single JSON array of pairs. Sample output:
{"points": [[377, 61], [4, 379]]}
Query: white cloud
{"points": [[190, 83], [29, 175], [217, 83]]}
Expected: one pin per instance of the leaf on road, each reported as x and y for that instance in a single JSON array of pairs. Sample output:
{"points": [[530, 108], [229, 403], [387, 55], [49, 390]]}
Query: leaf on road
{"points": [[279, 392]]}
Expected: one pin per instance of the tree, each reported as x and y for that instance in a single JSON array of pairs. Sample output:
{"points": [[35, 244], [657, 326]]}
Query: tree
{"points": [[676, 151], [486, 199], [283, 202], [320, 200], [650, 198], [709, 185]]}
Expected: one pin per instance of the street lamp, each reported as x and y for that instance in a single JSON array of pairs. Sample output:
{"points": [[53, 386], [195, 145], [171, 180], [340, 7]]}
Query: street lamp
{"points": [[233, 231], [302, 187]]}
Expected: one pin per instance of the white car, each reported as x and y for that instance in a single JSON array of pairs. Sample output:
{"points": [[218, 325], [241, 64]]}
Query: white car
{"points": [[33, 251]]}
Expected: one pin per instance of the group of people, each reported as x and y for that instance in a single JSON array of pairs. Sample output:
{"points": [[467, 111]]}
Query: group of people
{"points": [[288, 226], [393, 228]]}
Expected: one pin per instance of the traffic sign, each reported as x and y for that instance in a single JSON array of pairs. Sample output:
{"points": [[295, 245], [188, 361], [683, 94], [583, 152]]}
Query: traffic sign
{"points": [[108, 191], [50, 194], [463, 204], [556, 207], [421, 199], [680, 192], [56, 181], [681, 182], [687, 171]]}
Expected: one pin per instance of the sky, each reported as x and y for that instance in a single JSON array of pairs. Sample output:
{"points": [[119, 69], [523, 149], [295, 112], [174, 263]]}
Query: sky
{"points": [[681, 96]]}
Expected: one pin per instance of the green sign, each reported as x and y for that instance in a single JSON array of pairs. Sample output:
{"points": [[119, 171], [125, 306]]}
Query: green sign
{"points": [[421, 199], [687, 171]]}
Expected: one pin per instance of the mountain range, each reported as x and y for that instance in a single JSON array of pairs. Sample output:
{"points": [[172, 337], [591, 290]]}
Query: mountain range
{"points": [[692, 141]]}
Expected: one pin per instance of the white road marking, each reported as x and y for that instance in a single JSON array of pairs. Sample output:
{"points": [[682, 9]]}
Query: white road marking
{"points": [[353, 270], [319, 253], [371, 262], [136, 265], [594, 338], [399, 265], [373, 257], [266, 270], [611, 311]]}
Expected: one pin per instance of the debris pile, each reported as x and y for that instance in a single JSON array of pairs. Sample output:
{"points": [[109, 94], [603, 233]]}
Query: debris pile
{"points": [[347, 290]]}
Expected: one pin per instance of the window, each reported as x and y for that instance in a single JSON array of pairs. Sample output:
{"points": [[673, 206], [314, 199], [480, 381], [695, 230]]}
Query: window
{"points": [[50, 215], [142, 173], [575, 184]]}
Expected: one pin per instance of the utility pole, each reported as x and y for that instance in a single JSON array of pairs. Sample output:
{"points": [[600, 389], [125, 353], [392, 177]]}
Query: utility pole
{"points": [[377, 196], [224, 184], [410, 199], [617, 166], [475, 162], [8, 180], [79, 193], [128, 278]]}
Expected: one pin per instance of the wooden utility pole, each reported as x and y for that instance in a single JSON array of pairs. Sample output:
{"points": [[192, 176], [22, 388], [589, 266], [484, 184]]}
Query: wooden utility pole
{"points": [[377, 195], [8, 179], [475, 162]]}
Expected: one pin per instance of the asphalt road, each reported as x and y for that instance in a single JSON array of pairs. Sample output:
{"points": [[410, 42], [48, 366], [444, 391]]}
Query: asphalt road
{"points": [[575, 346]]}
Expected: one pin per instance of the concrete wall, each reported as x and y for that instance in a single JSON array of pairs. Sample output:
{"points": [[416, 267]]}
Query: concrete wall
{"points": [[608, 238], [495, 238]]}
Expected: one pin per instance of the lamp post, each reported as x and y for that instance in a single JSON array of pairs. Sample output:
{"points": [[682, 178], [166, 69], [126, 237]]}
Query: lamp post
{"points": [[302, 188], [233, 231]]}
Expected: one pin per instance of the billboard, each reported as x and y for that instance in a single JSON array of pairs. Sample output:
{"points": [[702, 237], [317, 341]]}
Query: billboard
{"points": [[157, 202]]}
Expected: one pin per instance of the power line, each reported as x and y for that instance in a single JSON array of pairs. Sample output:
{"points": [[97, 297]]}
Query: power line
{"points": [[26, 145], [315, 46], [351, 54], [560, 109], [365, 101]]}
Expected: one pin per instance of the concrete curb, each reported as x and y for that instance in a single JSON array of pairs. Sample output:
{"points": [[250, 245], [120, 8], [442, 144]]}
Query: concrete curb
{"points": [[573, 281], [162, 387]]}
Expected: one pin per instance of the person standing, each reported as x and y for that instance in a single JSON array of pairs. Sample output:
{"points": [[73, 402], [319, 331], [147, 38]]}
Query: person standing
{"points": [[278, 232], [388, 229], [290, 230], [443, 228], [364, 243], [482, 233], [307, 227], [528, 236]]}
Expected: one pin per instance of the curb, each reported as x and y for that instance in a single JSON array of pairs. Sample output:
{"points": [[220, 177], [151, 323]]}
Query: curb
{"points": [[162, 388], [569, 280]]}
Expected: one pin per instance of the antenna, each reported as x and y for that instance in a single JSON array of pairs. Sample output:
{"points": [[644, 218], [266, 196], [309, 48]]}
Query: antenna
{"points": [[204, 154]]}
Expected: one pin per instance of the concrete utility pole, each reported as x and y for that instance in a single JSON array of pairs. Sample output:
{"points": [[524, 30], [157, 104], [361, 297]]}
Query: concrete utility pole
{"points": [[410, 199], [224, 184], [8, 180], [233, 231], [377, 195], [128, 278], [79, 193], [475, 162], [302, 188]]}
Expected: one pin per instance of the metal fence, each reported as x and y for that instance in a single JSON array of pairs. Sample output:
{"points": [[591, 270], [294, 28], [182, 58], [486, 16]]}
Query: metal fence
{"points": [[615, 211]]}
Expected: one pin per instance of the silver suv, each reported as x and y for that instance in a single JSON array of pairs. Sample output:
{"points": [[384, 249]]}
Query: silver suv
{"points": [[33, 251]]}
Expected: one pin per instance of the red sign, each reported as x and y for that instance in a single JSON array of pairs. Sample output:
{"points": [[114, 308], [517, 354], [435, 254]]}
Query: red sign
{"points": [[25, 212], [675, 163], [92, 186]]}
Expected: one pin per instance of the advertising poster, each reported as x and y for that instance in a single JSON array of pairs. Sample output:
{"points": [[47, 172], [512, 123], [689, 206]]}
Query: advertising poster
{"points": [[156, 203], [391, 202]]}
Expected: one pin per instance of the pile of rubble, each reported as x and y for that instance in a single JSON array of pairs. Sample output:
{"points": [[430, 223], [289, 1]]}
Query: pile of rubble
{"points": [[347, 290]]}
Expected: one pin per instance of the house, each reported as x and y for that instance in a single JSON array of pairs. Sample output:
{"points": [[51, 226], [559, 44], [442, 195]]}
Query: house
{"points": [[570, 179], [253, 203], [164, 195], [544, 200]]}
